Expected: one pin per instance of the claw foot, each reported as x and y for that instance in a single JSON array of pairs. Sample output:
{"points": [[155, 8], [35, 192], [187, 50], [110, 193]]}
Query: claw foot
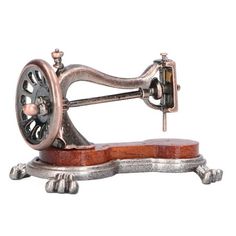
{"points": [[62, 183], [207, 175], [18, 172]]}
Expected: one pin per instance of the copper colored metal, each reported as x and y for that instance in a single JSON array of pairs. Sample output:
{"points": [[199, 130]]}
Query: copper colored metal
{"points": [[57, 57], [44, 128], [157, 81], [31, 109]]}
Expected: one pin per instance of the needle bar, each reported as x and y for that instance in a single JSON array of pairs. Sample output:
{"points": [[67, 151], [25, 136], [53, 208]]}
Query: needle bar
{"points": [[164, 122]]}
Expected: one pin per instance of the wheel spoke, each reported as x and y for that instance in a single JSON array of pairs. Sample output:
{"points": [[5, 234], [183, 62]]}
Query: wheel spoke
{"points": [[27, 123], [42, 131], [26, 93], [34, 132], [26, 86], [23, 99], [23, 116], [31, 79], [38, 76]]}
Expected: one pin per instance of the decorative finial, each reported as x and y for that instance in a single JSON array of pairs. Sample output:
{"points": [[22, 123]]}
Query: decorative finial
{"points": [[57, 57]]}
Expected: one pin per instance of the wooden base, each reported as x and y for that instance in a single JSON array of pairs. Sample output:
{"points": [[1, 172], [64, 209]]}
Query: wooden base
{"points": [[102, 153]]}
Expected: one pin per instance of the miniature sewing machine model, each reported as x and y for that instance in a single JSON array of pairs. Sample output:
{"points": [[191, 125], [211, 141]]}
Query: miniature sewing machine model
{"points": [[65, 156]]}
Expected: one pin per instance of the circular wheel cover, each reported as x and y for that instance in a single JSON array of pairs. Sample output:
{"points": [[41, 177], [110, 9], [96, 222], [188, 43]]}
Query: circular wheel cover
{"points": [[38, 85]]}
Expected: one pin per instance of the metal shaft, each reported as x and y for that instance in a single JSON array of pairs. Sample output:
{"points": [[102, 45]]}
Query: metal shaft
{"points": [[164, 121], [107, 98]]}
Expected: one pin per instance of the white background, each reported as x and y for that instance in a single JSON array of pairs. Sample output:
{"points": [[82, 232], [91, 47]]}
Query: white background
{"points": [[122, 38]]}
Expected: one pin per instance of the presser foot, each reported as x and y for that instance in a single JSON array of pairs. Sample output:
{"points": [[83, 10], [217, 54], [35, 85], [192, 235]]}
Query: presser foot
{"points": [[62, 183], [207, 175], [18, 172]]}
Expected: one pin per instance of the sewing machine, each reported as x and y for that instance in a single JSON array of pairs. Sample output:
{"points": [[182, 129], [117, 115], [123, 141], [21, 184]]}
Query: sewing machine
{"points": [[66, 156]]}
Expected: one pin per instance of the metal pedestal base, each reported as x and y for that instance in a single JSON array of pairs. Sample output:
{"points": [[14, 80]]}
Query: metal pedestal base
{"points": [[64, 179]]}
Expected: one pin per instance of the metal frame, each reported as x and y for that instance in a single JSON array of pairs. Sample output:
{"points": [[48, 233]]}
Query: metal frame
{"points": [[44, 120], [63, 179], [68, 136]]}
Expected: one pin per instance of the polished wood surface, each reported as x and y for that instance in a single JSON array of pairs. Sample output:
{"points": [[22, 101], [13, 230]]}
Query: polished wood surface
{"points": [[102, 153]]}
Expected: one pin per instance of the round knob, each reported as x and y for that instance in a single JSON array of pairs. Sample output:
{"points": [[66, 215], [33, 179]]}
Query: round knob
{"points": [[57, 54], [164, 56], [31, 109]]}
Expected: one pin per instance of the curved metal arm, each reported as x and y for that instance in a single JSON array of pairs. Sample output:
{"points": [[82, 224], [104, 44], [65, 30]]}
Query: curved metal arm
{"points": [[75, 73], [165, 90], [68, 136]]}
